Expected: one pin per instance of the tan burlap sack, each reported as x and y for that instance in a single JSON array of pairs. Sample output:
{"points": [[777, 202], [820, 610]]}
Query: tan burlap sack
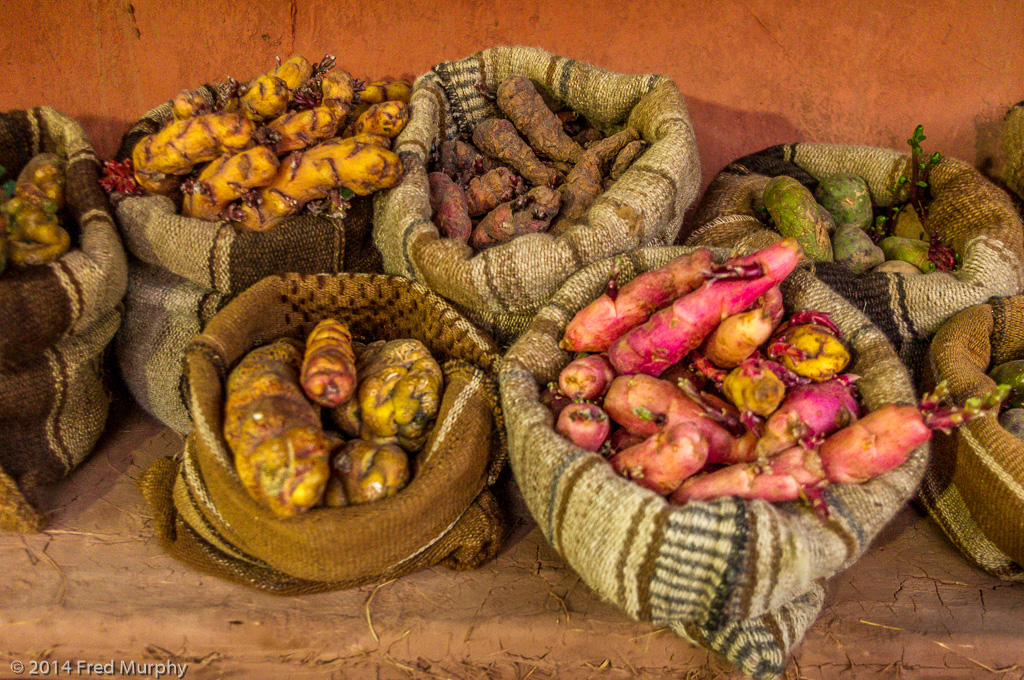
{"points": [[502, 287], [973, 214], [447, 514], [56, 321], [974, 486], [1011, 143], [745, 579], [183, 270]]}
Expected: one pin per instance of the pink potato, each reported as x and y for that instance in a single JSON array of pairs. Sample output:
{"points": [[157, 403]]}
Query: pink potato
{"points": [[877, 443], [587, 377], [597, 325], [585, 424], [643, 406], [662, 461], [807, 414], [781, 479], [668, 335]]}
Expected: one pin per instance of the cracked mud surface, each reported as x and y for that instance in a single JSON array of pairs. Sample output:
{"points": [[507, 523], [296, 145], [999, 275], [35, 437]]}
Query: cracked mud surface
{"points": [[96, 586]]}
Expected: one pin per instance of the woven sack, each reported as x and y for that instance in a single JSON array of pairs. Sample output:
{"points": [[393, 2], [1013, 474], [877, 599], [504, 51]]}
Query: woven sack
{"points": [[183, 270], [447, 514], [974, 486], [973, 214], [502, 287], [745, 579], [1011, 142], [56, 321]]}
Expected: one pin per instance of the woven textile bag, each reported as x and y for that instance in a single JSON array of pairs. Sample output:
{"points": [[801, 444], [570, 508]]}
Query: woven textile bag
{"points": [[447, 514], [1011, 142], [183, 270], [502, 287], [56, 321], [974, 486], [745, 579], [974, 215]]}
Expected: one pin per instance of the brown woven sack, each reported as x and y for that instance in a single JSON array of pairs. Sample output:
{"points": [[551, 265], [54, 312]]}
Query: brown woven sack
{"points": [[745, 579], [501, 288], [1011, 142], [972, 213], [447, 514], [56, 321], [974, 486], [183, 270]]}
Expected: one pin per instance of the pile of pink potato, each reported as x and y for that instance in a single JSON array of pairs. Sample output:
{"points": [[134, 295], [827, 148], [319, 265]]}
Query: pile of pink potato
{"points": [[694, 384]]}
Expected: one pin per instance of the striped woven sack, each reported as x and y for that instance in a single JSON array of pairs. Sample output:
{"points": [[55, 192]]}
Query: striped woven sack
{"points": [[974, 215], [183, 270], [974, 486], [743, 578], [447, 514], [502, 287], [56, 321]]}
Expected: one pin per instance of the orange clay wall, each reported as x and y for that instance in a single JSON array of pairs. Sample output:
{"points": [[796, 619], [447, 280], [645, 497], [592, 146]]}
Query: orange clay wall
{"points": [[754, 72]]}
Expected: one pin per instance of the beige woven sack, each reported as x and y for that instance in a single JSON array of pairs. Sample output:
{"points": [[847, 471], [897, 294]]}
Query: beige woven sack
{"points": [[183, 270], [745, 579], [502, 287], [56, 321]]}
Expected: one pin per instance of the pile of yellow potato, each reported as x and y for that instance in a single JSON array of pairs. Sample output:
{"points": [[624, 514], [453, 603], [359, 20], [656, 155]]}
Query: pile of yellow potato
{"points": [[299, 135]]}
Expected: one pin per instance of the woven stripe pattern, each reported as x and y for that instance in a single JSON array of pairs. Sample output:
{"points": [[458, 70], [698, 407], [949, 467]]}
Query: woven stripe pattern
{"points": [[183, 270], [742, 578], [56, 321], [447, 514], [975, 216], [974, 488], [502, 287]]}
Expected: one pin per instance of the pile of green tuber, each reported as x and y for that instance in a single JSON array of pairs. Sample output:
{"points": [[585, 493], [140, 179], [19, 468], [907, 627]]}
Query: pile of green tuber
{"points": [[837, 223], [534, 170], [694, 384]]}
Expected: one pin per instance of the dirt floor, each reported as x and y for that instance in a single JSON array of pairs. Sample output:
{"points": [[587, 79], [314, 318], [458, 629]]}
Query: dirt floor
{"points": [[96, 587]]}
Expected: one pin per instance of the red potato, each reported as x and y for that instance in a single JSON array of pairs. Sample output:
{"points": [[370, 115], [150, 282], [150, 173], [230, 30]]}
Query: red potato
{"points": [[781, 479], [662, 461], [623, 439], [587, 377], [737, 337], [669, 334], [877, 443], [554, 399], [643, 406], [809, 413], [587, 425], [595, 327]]}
